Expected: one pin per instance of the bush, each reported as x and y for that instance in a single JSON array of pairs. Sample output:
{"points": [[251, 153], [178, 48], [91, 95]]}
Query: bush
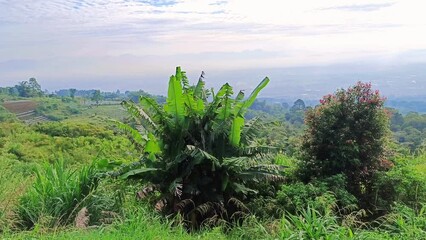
{"points": [[54, 117], [6, 115], [326, 194], [56, 195], [347, 134], [60, 129], [404, 184], [298, 196]]}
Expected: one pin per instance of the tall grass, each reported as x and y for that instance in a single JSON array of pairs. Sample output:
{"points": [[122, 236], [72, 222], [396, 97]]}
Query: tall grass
{"points": [[406, 223], [139, 222], [55, 195], [12, 185], [309, 223]]}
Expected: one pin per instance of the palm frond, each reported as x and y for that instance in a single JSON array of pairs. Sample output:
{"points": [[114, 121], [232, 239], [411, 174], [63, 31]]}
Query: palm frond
{"points": [[137, 112], [200, 155], [251, 130], [159, 114], [137, 136], [260, 175], [138, 172], [184, 203], [241, 188], [238, 203], [204, 209]]}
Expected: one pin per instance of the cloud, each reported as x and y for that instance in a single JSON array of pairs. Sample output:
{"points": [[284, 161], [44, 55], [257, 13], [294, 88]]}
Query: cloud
{"points": [[361, 7], [128, 38], [158, 3]]}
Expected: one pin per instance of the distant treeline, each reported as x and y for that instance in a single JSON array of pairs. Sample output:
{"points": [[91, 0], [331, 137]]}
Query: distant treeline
{"points": [[407, 106]]}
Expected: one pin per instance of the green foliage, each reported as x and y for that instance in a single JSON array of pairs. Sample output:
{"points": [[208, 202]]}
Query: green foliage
{"points": [[22, 149], [406, 223], [404, 184], [30, 88], [141, 223], [73, 130], [347, 134], [56, 195], [138, 222], [298, 196], [12, 184], [198, 153], [6, 116], [207, 165], [72, 92], [329, 193], [96, 96], [309, 223], [409, 130], [55, 109], [76, 143]]}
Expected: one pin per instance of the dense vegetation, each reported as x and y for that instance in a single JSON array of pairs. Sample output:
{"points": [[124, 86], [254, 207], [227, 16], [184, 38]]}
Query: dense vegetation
{"points": [[205, 164]]}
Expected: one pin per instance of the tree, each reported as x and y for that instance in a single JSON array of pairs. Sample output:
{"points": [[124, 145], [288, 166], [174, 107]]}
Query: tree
{"points": [[96, 96], [347, 134], [299, 105], [199, 155], [30, 88], [72, 92]]}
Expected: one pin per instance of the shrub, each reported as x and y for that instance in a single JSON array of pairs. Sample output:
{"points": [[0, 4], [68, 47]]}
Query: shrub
{"points": [[54, 117], [56, 195], [325, 195], [347, 134], [6, 115], [73, 130], [403, 184]]}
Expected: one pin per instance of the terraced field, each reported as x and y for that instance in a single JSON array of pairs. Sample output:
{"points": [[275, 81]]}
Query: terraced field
{"points": [[20, 106], [24, 110]]}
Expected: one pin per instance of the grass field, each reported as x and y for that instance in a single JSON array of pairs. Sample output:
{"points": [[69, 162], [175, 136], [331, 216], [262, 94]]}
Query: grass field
{"points": [[110, 111]]}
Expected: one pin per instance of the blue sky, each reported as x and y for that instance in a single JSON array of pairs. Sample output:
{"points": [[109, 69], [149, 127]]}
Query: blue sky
{"points": [[122, 44]]}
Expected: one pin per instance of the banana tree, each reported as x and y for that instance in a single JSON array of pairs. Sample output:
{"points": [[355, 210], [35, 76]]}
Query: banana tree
{"points": [[195, 149]]}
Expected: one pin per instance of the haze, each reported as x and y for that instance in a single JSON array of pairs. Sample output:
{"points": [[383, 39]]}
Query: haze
{"points": [[307, 48]]}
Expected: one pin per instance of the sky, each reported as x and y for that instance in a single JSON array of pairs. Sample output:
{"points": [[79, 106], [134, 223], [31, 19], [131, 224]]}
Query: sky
{"points": [[307, 48]]}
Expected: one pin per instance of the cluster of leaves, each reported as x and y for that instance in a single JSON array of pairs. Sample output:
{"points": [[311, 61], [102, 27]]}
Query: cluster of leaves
{"points": [[199, 153], [347, 134]]}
